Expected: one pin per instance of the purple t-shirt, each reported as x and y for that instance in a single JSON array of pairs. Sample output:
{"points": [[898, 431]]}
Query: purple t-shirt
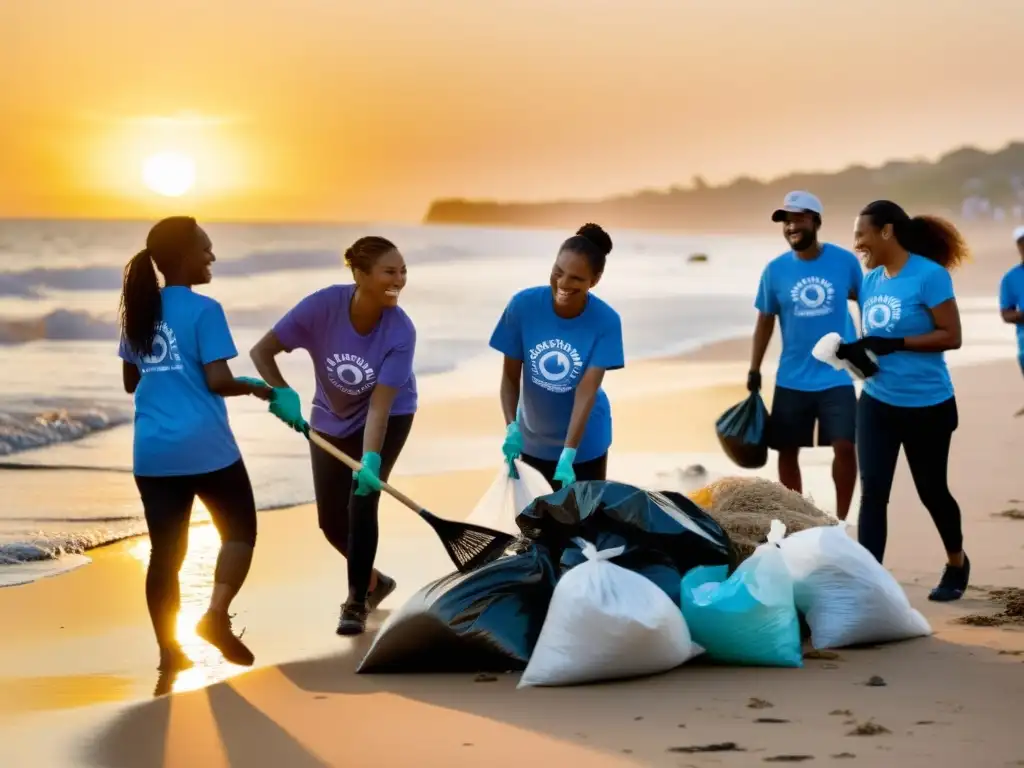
{"points": [[348, 366]]}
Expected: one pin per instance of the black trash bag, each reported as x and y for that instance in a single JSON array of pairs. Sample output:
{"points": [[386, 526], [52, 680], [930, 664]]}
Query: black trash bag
{"points": [[650, 563], [663, 521], [487, 620], [743, 432]]}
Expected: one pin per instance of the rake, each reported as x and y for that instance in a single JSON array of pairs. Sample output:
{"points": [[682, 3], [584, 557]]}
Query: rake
{"points": [[469, 546]]}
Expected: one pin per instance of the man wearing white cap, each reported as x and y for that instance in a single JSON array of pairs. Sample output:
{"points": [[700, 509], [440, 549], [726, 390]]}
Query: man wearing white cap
{"points": [[807, 288], [1011, 298]]}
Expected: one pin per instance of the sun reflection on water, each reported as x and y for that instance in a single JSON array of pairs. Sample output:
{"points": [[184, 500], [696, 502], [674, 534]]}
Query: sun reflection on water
{"points": [[196, 579]]}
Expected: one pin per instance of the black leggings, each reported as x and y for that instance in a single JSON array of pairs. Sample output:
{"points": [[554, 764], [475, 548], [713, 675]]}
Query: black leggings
{"points": [[167, 501], [349, 522], [595, 469], [925, 434]]}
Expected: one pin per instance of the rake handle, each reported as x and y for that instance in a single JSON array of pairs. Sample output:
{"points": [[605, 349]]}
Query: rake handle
{"points": [[355, 466]]}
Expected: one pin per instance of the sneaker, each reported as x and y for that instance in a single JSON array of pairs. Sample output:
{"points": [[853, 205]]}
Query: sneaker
{"points": [[353, 619], [385, 586], [953, 583], [215, 628], [173, 659]]}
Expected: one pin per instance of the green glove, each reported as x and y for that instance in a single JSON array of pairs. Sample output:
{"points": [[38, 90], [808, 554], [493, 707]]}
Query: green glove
{"points": [[513, 445], [285, 404], [251, 381], [367, 479], [564, 473]]}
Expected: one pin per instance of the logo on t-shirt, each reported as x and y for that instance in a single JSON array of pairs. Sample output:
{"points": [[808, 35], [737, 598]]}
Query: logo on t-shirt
{"points": [[350, 373], [813, 297], [555, 365], [881, 313], [165, 355]]}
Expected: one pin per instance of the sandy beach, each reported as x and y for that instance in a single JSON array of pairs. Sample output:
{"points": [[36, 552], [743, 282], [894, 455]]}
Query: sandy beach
{"points": [[77, 672]]}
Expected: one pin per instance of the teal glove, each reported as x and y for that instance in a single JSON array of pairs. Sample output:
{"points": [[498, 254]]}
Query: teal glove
{"points": [[513, 445], [285, 404], [564, 473], [367, 479], [251, 381]]}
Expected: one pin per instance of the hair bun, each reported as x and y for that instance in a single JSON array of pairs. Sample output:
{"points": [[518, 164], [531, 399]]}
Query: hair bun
{"points": [[596, 234]]}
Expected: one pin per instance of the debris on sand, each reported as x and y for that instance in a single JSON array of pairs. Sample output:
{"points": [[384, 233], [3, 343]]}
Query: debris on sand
{"points": [[770, 720], [841, 713], [843, 756], [870, 728], [788, 758], [1011, 600], [876, 682], [745, 507], [1011, 514], [483, 677], [725, 746], [756, 703]]}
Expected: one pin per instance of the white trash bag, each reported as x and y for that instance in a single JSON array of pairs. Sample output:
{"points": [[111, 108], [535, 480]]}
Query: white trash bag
{"points": [[846, 596], [825, 350], [508, 496], [605, 623]]}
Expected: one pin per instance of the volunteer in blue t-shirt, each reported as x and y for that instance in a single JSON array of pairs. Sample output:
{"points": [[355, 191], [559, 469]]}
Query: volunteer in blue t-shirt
{"points": [[1011, 299], [807, 288], [175, 345], [909, 317], [558, 340]]}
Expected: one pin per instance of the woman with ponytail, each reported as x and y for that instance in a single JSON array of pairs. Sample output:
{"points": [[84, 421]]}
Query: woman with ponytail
{"points": [[558, 340], [910, 318], [175, 345]]}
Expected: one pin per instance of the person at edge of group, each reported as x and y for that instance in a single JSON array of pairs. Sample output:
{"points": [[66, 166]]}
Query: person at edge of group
{"points": [[558, 340], [808, 288], [362, 346], [1011, 299], [909, 318], [175, 346]]}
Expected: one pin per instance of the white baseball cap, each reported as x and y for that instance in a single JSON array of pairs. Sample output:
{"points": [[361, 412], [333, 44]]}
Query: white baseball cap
{"points": [[797, 201], [1018, 234]]}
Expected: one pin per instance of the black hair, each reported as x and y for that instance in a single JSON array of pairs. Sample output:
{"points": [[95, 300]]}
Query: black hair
{"points": [[591, 242], [141, 307], [929, 236], [365, 251]]}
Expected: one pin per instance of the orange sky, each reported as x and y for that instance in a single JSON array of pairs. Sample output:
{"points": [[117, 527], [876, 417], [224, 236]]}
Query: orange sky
{"points": [[336, 109]]}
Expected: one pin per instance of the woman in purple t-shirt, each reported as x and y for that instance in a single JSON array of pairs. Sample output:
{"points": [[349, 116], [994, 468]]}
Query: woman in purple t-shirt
{"points": [[362, 346]]}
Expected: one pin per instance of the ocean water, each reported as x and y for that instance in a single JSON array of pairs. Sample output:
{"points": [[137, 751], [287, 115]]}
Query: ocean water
{"points": [[65, 423]]}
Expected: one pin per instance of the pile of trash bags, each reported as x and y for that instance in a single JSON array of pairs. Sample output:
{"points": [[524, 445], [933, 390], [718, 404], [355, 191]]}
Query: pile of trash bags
{"points": [[612, 581]]}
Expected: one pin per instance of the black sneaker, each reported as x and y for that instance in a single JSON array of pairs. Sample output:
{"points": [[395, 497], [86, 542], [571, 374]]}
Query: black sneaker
{"points": [[953, 583], [215, 628], [385, 586], [353, 619], [173, 659]]}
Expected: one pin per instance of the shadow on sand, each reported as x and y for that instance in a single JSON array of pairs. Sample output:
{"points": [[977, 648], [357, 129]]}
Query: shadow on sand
{"points": [[300, 714]]}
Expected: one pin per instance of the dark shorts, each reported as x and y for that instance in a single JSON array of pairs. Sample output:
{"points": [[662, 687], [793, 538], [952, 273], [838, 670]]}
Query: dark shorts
{"points": [[794, 414]]}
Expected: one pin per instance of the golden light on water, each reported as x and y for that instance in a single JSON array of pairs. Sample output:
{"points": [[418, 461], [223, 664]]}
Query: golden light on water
{"points": [[196, 580]]}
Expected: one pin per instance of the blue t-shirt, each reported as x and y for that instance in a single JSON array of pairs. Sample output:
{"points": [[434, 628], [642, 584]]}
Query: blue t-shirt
{"points": [[809, 296], [181, 427], [1011, 296], [898, 307], [555, 353]]}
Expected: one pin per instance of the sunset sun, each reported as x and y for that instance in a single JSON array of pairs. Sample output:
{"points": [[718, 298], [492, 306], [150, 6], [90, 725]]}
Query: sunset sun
{"points": [[170, 174]]}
